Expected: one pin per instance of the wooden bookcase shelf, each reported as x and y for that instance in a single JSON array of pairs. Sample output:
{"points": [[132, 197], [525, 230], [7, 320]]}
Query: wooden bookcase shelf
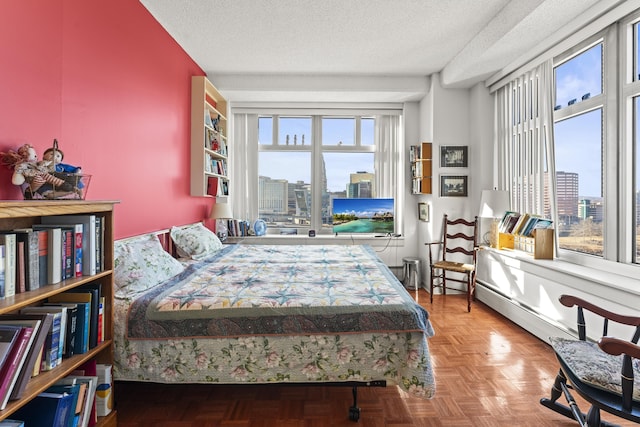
{"points": [[209, 141], [421, 159], [21, 214]]}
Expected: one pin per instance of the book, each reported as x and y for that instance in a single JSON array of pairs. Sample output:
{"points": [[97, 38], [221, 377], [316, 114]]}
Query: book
{"points": [[51, 347], [32, 266], [68, 270], [83, 316], [46, 410], [8, 336], [21, 269], [89, 237], [13, 364], [95, 289], [40, 331], [88, 417], [104, 395], [54, 253], [73, 389], [71, 326], [9, 242], [11, 423], [100, 224], [43, 256], [2, 267]]}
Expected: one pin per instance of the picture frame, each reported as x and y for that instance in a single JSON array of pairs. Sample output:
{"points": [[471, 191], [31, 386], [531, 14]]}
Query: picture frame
{"points": [[454, 156], [423, 211], [453, 186]]}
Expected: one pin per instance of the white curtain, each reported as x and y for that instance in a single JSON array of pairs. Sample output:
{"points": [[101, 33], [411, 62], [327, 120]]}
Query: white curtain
{"points": [[243, 156], [389, 161], [524, 132]]}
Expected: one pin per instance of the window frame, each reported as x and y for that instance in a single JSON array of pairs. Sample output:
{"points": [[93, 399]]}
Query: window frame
{"points": [[607, 102], [317, 149]]}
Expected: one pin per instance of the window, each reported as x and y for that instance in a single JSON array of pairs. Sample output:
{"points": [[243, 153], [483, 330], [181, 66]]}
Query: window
{"points": [[578, 143], [306, 161]]}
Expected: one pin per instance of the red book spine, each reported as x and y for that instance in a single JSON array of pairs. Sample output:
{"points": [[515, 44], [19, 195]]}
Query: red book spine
{"points": [[13, 364]]}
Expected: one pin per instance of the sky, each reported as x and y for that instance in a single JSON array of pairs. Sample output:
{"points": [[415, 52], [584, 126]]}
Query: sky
{"points": [[339, 166]]}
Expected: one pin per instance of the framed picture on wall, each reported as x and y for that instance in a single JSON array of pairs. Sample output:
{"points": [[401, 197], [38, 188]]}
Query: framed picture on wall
{"points": [[453, 186], [454, 156], [423, 212]]}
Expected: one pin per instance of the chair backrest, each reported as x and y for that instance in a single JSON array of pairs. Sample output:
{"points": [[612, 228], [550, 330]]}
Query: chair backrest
{"points": [[459, 236]]}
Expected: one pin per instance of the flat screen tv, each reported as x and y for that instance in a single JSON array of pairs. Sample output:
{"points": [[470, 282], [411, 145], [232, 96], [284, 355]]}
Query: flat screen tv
{"points": [[363, 216]]}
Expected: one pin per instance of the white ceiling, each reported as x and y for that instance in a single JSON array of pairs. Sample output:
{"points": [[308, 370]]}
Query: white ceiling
{"points": [[265, 50]]}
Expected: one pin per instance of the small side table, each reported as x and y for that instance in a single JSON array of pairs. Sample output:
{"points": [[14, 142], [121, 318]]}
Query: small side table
{"points": [[411, 277]]}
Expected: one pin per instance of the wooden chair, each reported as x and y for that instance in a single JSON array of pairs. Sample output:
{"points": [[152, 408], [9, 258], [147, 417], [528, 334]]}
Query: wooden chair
{"points": [[458, 236], [602, 373]]}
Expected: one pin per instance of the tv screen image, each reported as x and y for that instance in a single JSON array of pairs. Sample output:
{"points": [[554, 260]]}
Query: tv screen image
{"points": [[363, 216]]}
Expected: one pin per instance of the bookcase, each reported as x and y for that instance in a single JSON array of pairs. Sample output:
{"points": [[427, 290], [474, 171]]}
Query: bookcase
{"points": [[420, 157], [24, 214], [209, 155]]}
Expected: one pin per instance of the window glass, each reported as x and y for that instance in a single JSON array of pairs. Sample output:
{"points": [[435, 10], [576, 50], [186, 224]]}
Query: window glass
{"points": [[349, 175], [367, 130], [284, 188], [338, 131], [579, 78], [294, 131], [580, 202], [265, 130]]}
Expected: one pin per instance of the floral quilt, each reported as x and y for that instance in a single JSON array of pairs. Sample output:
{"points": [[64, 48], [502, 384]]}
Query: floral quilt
{"points": [[261, 313]]}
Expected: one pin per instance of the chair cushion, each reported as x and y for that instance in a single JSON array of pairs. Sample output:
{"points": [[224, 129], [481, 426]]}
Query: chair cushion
{"points": [[454, 266], [595, 367]]}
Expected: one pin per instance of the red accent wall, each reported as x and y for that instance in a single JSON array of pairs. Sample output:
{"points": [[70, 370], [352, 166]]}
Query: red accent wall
{"points": [[107, 81]]}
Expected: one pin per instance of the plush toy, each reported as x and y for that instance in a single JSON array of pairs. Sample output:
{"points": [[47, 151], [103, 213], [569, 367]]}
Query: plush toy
{"points": [[52, 160], [29, 174]]}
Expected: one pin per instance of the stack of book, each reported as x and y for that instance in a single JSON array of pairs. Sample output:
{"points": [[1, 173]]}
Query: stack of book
{"points": [[72, 401], [61, 248]]}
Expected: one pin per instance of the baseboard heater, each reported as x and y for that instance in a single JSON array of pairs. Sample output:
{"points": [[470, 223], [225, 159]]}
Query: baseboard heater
{"points": [[522, 315]]}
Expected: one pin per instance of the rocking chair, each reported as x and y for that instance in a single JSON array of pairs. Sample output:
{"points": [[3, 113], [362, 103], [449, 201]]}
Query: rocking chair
{"points": [[458, 236], [602, 373]]}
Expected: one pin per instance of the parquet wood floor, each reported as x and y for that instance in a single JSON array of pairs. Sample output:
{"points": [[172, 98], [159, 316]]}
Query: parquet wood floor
{"points": [[489, 372]]}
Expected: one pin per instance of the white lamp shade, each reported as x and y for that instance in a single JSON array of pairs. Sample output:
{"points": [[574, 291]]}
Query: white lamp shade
{"points": [[221, 211], [494, 203]]}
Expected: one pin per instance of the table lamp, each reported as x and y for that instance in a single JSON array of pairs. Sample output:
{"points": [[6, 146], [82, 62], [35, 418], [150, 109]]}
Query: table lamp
{"points": [[220, 212], [493, 204]]}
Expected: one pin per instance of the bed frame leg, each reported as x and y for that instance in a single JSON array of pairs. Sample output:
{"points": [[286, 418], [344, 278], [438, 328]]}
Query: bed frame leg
{"points": [[354, 411]]}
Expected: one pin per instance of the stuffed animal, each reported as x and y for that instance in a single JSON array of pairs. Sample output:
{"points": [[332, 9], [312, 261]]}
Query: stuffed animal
{"points": [[52, 160], [29, 174]]}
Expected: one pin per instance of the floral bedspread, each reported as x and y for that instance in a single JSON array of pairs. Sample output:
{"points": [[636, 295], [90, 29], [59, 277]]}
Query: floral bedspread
{"points": [[277, 314], [270, 290]]}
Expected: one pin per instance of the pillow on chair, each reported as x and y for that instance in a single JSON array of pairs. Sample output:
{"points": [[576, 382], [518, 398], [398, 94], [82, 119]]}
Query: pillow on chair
{"points": [[595, 367]]}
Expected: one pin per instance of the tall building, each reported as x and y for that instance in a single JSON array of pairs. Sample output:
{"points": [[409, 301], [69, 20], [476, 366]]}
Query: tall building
{"points": [[361, 185], [567, 196], [273, 203]]}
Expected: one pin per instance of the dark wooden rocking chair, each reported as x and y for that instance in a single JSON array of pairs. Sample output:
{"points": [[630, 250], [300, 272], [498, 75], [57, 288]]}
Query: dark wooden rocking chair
{"points": [[458, 236], [602, 373]]}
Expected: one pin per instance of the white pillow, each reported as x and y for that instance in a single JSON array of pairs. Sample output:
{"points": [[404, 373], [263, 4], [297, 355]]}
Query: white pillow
{"points": [[195, 241], [142, 263]]}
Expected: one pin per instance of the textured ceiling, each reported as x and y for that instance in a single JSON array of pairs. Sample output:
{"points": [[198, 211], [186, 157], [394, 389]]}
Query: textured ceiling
{"points": [[237, 41]]}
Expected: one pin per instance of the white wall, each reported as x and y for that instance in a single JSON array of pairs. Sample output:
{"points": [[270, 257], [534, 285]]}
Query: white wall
{"points": [[455, 117]]}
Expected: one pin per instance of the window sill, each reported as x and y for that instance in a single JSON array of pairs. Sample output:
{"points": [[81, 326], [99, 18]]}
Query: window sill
{"points": [[556, 268], [325, 239]]}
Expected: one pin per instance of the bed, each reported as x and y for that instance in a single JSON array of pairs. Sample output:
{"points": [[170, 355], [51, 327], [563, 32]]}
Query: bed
{"points": [[303, 314]]}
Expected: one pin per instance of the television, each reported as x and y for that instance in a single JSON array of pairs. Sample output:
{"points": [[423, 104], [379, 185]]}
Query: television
{"points": [[363, 216]]}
